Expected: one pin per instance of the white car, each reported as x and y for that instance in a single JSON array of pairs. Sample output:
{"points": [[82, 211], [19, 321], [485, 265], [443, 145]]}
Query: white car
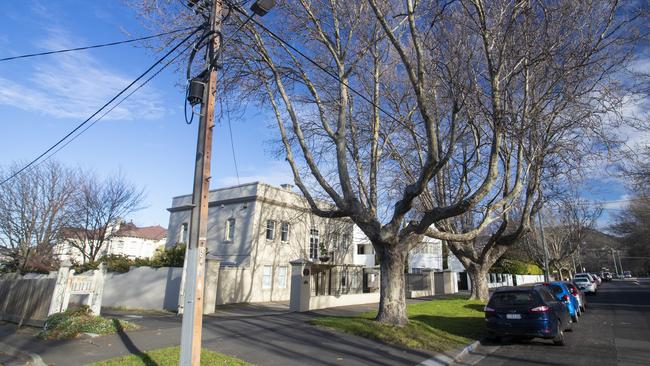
{"points": [[585, 285], [588, 276]]}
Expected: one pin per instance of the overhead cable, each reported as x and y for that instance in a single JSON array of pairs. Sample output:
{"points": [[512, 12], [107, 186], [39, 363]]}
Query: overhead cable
{"points": [[328, 72], [159, 61], [95, 46], [116, 104]]}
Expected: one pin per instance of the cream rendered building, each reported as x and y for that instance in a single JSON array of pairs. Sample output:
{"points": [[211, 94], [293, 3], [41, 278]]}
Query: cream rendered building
{"points": [[255, 230]]}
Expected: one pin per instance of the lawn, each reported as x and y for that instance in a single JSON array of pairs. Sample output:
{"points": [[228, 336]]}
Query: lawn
{"points": [[436, 326], [169, 357]]}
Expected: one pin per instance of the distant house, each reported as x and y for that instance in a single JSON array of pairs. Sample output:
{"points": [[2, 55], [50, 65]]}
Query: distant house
{"points": [[125, 239], [256, 229]]}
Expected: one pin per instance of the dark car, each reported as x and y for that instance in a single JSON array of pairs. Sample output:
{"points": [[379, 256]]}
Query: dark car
{"points": [[526, 312], [607, 276]]}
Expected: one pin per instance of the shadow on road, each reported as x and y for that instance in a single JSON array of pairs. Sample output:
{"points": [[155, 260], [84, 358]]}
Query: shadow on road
{"points": [[131, 347]]}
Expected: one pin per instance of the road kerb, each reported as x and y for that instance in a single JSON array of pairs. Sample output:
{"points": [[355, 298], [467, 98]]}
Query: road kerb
{"points": [[446, 359]]}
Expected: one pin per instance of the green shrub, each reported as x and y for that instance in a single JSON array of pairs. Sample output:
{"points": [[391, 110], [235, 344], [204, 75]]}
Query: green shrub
{"points": [[73, 322], [85, 267], [172, 257], [514, 266]]}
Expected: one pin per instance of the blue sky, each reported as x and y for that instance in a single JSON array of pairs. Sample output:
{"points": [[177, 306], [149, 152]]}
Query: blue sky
{"points": [[146, 139]]}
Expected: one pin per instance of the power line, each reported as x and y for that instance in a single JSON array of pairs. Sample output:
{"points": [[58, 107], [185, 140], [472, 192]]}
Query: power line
{"points": [[115, 105], [95, 46], [160, 60], [336, 77]]}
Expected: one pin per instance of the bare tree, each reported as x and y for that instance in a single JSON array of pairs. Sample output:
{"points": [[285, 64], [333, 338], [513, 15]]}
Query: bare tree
{"points": [[34, 207], [565, 227], [549, 92], [418, 117], [97, 209]]}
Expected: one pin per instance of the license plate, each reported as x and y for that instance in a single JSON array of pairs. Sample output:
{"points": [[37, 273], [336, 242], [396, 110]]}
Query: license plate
{"points": [[513, 316]]}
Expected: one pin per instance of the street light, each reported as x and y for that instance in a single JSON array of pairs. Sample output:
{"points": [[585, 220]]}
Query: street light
{"points": [[261, 7]]}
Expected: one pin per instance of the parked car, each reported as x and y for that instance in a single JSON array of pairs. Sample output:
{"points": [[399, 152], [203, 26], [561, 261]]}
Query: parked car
{"points": [[562, 294], [597, 278], [585, 285], [607, 276], [578, 295], [526, 312], [627, 274], [589, 276]]}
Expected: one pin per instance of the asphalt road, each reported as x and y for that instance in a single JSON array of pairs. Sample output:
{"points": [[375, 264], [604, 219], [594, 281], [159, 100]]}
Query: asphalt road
{"points": [[615, 330]]}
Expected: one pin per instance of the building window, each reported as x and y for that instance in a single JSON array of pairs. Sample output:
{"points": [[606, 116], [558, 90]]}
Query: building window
{"points": [[284, 231], [335, 241], [267, 273], [313, 243], [230, 229], [345, 241], [344, 279], [361, 249], [183, 234], [282, 277], [270, 229]]}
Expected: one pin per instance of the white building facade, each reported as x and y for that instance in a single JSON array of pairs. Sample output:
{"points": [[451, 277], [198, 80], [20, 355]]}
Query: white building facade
{"points": [[255, 230]]}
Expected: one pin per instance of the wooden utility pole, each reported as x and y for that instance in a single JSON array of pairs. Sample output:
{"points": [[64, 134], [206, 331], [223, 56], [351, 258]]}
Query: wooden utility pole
{"points": [[196, 250]]}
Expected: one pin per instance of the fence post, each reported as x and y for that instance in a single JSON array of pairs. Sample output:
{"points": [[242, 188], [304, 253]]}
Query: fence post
{"points": [[97, 289], [300, 285], [59, 295]]}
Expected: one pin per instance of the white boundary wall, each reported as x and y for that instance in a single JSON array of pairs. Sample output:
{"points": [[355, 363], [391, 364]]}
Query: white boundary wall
{"points": [[143, 288], [323, 302]]}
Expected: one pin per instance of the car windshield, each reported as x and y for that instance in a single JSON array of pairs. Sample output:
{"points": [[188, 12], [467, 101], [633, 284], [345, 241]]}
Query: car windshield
{"points": [[511, 298]]}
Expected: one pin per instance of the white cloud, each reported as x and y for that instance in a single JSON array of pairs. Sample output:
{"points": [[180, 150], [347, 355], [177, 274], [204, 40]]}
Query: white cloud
{"points": [[274, 173], [74, 85]]}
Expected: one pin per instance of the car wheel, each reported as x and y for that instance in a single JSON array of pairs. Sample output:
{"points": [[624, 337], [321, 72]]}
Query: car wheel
{"points": [[559, 337], [574, 318], [493, 337], [583, 308], [569, 325]]}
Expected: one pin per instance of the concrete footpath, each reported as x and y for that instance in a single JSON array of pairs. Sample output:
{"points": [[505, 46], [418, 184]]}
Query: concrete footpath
{"points": [[260, 334]]}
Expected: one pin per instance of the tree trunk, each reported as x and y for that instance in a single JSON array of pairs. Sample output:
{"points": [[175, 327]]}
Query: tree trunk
{"points": [[478, 276], [392, 301]]}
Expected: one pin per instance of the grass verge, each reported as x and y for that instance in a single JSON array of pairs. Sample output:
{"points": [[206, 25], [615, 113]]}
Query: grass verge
{"points": [[437, 325], [73, 322], [169, 357]]}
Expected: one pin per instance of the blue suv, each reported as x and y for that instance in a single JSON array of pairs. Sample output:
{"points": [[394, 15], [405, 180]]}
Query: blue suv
{"points": [[526, 312]]}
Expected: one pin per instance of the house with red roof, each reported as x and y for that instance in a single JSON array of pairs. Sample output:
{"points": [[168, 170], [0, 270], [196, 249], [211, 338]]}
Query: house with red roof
{"points": [[125, 239]]}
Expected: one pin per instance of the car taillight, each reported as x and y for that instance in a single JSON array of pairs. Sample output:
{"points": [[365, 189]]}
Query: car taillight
{"points": [[488, 309], [565, 298], [573, 291], [540, 309]]}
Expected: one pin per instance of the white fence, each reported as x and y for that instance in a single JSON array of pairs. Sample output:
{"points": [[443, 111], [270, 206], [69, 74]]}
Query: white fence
{"points": [[505, 279]]}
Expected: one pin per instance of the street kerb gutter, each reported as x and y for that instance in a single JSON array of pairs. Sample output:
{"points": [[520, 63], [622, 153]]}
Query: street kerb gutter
{"points": [[451, 358]]}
